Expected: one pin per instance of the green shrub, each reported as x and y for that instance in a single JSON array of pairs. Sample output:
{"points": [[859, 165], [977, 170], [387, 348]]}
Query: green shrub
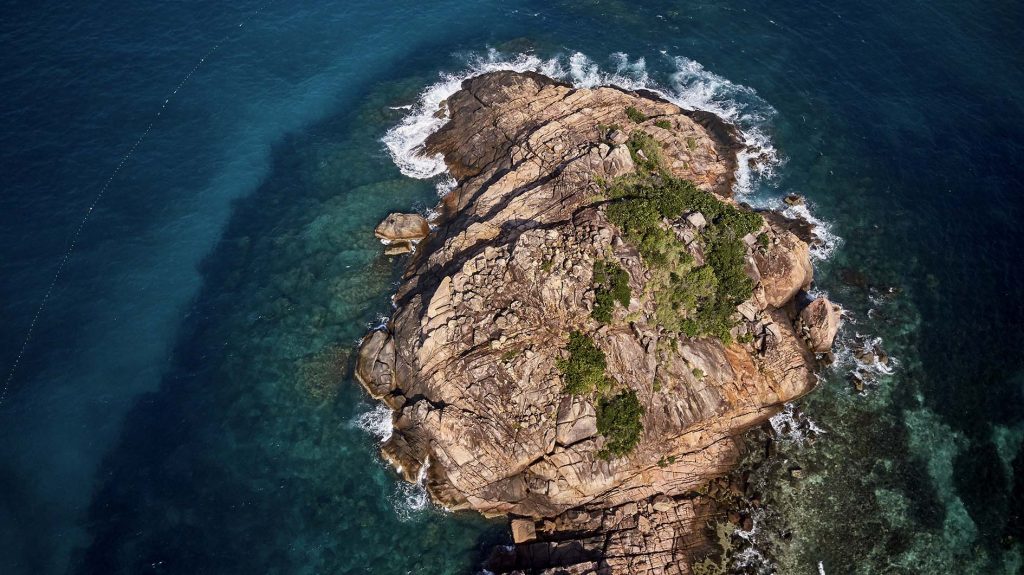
{"points": [[695, 301], [663, 124], [583, 371], [611, 284], [635, 115], [619, 421], [650, 160]]}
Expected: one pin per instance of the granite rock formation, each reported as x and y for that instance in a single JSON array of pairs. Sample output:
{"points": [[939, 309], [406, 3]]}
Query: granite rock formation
{"points": [[469, 359]]}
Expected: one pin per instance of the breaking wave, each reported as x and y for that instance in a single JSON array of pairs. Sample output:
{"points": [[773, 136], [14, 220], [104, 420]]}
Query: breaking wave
{"points": [[793, 425], [412, 499], [405, 141], [376, 422]]}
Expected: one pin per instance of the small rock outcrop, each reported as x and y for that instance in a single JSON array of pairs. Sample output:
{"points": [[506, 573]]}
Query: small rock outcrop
{"points": [[819, 323], [472, 360], [402, 231]]}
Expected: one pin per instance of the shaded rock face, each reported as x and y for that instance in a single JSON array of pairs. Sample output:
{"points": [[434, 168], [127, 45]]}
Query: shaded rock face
{"points": [[655, 535], [468, 359]]}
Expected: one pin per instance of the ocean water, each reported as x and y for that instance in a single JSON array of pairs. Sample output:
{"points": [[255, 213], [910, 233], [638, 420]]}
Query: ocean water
{"points": [[185, 403]]}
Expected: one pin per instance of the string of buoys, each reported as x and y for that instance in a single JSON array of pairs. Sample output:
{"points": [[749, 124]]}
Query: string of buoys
{"points": [[103, 189]]}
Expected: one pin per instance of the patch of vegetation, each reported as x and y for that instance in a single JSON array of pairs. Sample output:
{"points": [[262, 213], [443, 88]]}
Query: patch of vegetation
{"points": [[695, 300], [611, 284], [645, 151], [691, 143], [583, 371], [663, 124], [509, 355], [618, 416], [762, 240], [547, 265], [636, 115], [605, 130], [698, 373], [618, 420]]}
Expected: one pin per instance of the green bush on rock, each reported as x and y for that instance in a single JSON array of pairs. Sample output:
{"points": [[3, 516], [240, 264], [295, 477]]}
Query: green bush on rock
{"points": [[618, 420], [583, 371], [635, 115], [611, 284], [695, 300], [618, 416]]}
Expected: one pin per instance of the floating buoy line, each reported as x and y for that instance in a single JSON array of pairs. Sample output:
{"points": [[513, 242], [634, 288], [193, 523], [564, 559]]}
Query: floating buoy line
{"points": [[103, 189]]}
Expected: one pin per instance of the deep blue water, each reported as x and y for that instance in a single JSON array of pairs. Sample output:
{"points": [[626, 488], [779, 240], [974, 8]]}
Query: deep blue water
{"points": [[184, 404]]}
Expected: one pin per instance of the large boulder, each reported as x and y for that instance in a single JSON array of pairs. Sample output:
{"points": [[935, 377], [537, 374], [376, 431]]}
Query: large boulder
{"points": [[819, 322], [402, 228], [784, 266]]}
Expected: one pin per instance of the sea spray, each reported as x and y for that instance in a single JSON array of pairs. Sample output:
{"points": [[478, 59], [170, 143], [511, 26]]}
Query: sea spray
{"points": [[793, 426], [694, 87], [405, 141], [376, 422], [825, 239], [412, 498]]}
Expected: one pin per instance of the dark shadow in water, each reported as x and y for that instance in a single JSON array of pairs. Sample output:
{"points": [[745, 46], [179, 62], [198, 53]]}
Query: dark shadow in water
{"points": [[248, 458]]}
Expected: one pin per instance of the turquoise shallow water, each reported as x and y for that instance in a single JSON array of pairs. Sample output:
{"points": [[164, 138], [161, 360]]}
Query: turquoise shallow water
{"points": [[185, 403]]}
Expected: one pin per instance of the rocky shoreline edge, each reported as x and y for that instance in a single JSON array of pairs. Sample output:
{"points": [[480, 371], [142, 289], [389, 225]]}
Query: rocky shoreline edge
{"points": [[590, 325]]}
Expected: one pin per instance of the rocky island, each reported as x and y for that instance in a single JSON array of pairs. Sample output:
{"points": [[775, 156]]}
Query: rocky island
{"points": [[589, 325]]}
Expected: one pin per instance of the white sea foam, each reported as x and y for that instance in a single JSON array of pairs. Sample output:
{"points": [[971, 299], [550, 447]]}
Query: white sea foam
{"points": [[792, 426], [850, 347], [376, 422], [405, 141], [751, 558], [827, 240], [445, 184], [412, 498], [697, 88]]}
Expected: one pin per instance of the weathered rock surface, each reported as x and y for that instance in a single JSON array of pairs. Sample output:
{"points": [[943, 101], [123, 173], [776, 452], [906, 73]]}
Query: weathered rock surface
{"points": [[784, 267], [819, 323], [397, 227], [468, 359], [402, 231], [648, 536]]}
